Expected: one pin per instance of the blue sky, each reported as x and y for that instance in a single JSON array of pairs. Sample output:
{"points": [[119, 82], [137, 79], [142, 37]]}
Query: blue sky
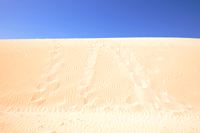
{"points": [[99, 18]]}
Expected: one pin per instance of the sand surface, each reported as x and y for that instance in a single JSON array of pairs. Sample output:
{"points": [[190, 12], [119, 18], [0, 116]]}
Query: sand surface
{"points": [[128, 85]]}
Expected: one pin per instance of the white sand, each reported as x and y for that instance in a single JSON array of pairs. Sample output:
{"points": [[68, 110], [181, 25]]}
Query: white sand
{"points": [[100, 85]]}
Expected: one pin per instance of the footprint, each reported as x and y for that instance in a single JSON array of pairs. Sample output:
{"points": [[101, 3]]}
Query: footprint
{"points": [[39, 101], [51, 75], [129, 99], [53, 86], [40, 85], [36, 96]]}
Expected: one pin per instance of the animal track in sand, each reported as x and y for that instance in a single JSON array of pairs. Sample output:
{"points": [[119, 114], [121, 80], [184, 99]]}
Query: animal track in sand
{"points": [[84, 84], [128, 64], [145, 95], [139, 110], [50, 82]]}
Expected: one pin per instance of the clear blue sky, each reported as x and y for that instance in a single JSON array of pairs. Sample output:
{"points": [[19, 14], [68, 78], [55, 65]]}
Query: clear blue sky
{"points": [[99, 18]]}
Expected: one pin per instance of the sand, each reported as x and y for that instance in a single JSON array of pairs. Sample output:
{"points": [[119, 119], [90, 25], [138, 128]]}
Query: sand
{"points": [[120, 85]]}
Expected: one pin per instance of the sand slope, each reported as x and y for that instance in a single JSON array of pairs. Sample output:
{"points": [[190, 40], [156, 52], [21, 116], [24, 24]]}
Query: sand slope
{"points": [[100, 85]]}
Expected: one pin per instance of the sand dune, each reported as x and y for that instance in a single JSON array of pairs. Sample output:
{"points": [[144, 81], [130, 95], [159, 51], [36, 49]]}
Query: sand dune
{"points": [[100, 85]]}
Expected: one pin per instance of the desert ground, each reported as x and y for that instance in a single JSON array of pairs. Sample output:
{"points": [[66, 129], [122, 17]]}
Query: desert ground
{"points": [[104, 85]]}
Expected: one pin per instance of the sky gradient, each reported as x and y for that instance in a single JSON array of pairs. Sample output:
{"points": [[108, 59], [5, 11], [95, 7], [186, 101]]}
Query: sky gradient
{"points": [[21, 19]]}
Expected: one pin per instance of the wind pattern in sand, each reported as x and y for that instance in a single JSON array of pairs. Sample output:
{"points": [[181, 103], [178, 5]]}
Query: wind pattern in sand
{"points": [[99, 87]]}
